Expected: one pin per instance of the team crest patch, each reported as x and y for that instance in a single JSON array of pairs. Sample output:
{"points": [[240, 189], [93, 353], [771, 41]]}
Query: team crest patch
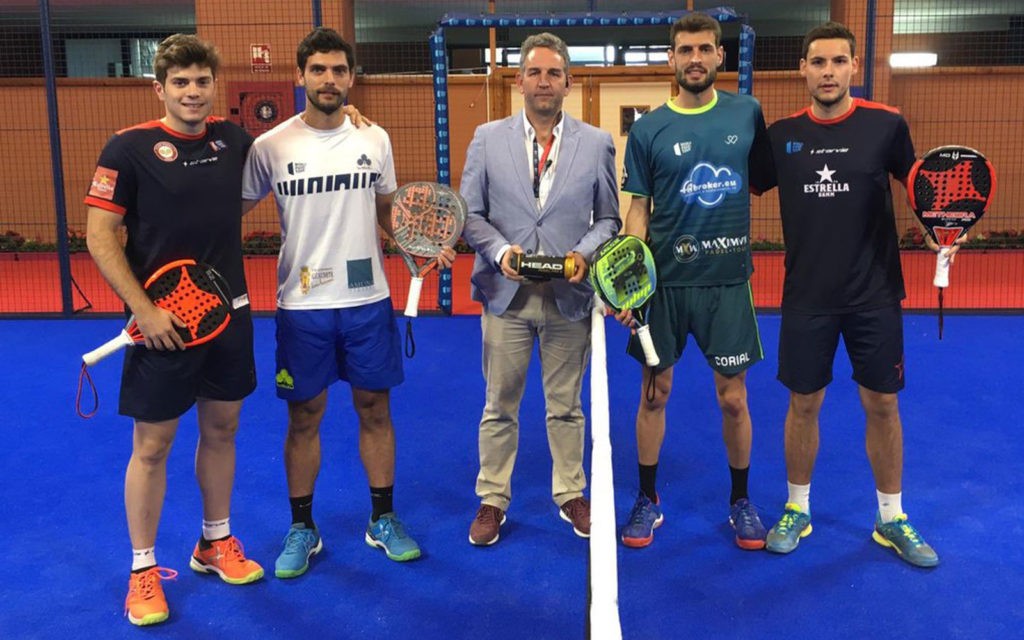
{"points": [[104, 181], [165, 151]]}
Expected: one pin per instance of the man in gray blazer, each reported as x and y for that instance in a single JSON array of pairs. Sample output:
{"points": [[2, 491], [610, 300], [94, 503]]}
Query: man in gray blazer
{"points": [[537, 183]]}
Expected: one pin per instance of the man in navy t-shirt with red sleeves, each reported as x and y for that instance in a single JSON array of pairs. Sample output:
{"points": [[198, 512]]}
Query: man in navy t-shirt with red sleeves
{"points": [[832, 163], [175, 184]]}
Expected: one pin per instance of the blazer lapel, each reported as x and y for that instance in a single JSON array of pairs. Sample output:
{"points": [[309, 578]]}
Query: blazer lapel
{"points": [[517, 153]]}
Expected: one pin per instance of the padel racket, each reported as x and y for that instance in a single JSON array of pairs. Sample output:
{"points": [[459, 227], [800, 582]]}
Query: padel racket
{"points": [[195, 293], [950, 188], [623, 275], [426, 217]]}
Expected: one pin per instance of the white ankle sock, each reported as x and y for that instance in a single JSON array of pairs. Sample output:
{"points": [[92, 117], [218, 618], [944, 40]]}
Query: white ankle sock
{"points": [[143, 558], [800, 495], [890, 505], [216, 529]]}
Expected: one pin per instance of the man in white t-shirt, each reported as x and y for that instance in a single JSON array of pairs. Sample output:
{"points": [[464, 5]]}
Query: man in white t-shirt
{"points": [[333, 183]]}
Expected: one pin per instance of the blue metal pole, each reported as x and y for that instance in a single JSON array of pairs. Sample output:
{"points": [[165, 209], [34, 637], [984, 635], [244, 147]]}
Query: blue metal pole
{"points": [[56, 160], [869, 51], [318, 14]]}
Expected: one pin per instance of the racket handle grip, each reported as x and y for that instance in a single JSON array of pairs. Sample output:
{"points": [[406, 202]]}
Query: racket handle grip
{"points": [[412, 304], [942, 268], [650, 354], [110, 347]]}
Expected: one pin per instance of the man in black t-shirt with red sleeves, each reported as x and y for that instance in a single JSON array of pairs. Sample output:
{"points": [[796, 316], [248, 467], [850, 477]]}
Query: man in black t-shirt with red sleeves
{"points": [[176, 185], [832, 163]]}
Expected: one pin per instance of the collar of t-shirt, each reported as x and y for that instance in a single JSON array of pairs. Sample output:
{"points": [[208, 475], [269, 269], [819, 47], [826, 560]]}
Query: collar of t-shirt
{"points": [[542, 159]]}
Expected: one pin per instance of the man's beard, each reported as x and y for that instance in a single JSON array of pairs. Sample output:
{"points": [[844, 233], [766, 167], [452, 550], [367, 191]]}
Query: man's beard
{"points": [[699, 87], [326, 109]]}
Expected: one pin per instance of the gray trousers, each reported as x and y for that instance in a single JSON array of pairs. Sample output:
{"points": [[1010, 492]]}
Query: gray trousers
{"points": [[508, 342]]}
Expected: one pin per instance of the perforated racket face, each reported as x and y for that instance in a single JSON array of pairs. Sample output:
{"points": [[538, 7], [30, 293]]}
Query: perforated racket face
{"points": [[197, 294], [623, 272], [950, 189], [426, 217]]}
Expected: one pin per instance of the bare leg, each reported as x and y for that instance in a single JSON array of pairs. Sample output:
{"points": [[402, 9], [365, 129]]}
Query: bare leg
{"points": [[801, 435], [302, 445], [884, 439], [145, 481], [376, 436], [215, 455], [650, 417], [737, 430]]}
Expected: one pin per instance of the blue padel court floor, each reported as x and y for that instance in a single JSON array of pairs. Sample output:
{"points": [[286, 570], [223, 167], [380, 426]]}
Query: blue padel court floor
{"points": [[67, 554]]}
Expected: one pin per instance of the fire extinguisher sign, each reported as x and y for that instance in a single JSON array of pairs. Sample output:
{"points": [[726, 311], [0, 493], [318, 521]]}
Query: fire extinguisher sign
{"points": [[260, 58]]}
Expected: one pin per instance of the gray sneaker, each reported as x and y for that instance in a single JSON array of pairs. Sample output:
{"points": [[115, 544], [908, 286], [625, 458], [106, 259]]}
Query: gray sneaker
{"points": [[903, 538], [785, 535]]}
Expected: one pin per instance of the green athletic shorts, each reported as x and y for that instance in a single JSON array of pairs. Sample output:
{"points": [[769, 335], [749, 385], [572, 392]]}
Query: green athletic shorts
{"points": [[721, 319]]}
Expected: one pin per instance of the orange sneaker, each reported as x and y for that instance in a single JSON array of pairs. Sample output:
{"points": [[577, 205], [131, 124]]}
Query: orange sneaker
{"points": [[146, 603], [227, 559]]}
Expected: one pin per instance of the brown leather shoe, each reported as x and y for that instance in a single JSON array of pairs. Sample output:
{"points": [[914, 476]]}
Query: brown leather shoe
{"points": [[487, 525], [577, 513]]}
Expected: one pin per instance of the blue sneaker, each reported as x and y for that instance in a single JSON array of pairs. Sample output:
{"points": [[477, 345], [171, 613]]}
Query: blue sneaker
{"points": [[904, 539], [645, 517], [389, 534], [299, 546], [750, 532], [785, 535]]}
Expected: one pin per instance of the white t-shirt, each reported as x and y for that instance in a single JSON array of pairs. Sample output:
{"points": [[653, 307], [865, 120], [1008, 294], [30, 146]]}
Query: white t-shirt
{"points": [[325, 183]]}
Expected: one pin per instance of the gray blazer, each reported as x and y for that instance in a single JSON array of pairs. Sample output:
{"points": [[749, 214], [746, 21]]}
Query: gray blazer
{"points": [[581, 210]]}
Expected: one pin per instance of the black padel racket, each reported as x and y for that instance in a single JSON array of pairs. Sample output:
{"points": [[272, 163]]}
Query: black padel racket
{"points": [[623, 275], [197, 294], [950, 188]]}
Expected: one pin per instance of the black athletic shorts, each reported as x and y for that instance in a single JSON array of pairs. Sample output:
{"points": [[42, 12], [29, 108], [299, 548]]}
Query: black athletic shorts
{"points": [[873, 339], [161, 385]]}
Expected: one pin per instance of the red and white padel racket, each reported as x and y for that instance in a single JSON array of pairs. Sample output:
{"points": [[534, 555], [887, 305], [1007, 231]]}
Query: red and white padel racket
{"points": [[426, 217], [197, 294], [950, 188]]}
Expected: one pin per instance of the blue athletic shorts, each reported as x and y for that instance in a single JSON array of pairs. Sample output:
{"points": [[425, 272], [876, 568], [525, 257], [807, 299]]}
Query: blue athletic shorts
{"points": [[360, 345]]}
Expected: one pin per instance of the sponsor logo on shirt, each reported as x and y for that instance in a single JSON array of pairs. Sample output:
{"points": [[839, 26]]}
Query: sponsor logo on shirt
{"points": [[825, 152], [326, 184], [724, 245], [708, 185], [165, 151], [686, 249], [682, 147], [104, 182], [625, 178], [363, 162], [218, 145], [312, 278], [732, 139], [793, 146], [827, 186], [296, 167]]}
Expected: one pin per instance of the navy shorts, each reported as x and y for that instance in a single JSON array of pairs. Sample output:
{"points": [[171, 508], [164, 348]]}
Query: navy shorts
{"points": [[315, 347], [162, 385], [873, 339]]}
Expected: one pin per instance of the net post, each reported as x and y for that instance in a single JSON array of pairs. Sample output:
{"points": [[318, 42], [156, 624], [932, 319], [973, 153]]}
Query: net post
{"points": [[442, 154], [603, 576]]}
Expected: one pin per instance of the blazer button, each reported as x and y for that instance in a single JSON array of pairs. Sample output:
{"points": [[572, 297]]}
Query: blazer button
{"points": [[529, 252]]}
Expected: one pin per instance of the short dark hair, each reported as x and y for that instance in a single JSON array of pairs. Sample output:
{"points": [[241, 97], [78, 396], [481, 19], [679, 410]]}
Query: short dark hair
{"points": [[184, 50], [695, 23], [324, 40], [829, 31]]}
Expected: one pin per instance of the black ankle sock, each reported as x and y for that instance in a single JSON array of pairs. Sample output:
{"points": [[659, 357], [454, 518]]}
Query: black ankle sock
{"points": [[648, 474], [205, 544], [302, 510], [382, 499], [739, 483]]}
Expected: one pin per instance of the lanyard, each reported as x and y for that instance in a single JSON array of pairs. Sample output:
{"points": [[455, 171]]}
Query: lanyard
{"points": [[541, 163]]}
